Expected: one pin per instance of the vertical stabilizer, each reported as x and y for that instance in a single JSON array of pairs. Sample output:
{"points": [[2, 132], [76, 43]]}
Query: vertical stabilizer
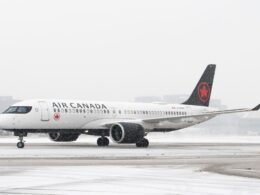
{"points": [[201, 94]]}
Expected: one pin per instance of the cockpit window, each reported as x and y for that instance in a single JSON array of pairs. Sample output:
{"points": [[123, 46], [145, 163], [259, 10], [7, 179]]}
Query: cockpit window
{"points": [[18, 110], [11, 110]]}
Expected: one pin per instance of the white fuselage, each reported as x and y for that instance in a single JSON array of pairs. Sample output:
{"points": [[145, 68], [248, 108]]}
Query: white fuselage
{"points": [[85, 115]]}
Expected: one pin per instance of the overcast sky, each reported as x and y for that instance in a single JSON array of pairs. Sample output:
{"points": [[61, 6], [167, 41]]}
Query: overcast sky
{"points": [[117, 50]]}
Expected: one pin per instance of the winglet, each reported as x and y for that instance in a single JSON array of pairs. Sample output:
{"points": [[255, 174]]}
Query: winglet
{"points": [[256, 108]]}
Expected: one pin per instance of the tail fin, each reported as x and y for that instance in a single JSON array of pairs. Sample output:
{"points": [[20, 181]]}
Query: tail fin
{"points": [[201, 94]]}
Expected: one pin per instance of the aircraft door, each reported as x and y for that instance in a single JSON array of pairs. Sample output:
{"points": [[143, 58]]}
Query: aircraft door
{"points": [[45, 112]]}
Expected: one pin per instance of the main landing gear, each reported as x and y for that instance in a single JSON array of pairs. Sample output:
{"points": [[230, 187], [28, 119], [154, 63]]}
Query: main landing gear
{"points": [[143, 143], [103, 141]]}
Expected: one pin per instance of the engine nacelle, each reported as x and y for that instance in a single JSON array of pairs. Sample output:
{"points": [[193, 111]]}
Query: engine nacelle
{"points": [[63, 137], [126, 133]]}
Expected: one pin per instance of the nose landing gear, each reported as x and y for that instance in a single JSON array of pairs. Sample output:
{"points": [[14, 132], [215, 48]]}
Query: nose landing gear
{"points": [[20, 144]]}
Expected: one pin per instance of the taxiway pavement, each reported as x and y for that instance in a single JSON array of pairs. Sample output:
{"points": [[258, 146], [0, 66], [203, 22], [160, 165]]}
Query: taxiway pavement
{"points": [[197, 167]]}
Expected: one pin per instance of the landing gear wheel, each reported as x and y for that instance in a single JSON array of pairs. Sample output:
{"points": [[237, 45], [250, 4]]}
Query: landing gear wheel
{"points": [[143, 143], [103, 141], [106, 141], [20, 145]]}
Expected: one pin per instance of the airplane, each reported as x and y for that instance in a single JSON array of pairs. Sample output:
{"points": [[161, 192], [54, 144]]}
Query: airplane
{"points": [[124, 123]]}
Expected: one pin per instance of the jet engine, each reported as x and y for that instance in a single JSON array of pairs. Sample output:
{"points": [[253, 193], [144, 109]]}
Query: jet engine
{"points": [[63, 137], [126, 133]]}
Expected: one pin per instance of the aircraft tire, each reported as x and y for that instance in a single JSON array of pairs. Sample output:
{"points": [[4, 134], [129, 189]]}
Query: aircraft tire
{"points": [[103, 141], [20, 145], [144, 143]]}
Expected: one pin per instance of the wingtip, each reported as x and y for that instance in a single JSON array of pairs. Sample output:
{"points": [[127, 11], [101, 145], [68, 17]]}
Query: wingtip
{"points": [[256, 108]]}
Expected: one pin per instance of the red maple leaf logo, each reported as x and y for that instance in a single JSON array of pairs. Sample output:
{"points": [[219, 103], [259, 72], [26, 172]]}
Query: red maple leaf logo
{"points": [[56, 116], [204, 91]]}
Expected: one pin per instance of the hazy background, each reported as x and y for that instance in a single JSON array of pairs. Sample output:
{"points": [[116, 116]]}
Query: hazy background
{"points": [[118, 50]]}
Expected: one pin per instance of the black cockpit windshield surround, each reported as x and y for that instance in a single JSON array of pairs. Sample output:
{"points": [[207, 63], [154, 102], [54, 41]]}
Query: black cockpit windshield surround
{"points": [[18, 110]]}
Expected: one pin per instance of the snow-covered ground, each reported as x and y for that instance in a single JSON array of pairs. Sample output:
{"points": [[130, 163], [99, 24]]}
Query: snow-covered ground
{"points": [[122, 180], [178, 176]]}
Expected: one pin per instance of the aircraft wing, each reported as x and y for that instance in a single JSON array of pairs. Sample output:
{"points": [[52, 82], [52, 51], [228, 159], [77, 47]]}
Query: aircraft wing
{"points": [[204, 115]]}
